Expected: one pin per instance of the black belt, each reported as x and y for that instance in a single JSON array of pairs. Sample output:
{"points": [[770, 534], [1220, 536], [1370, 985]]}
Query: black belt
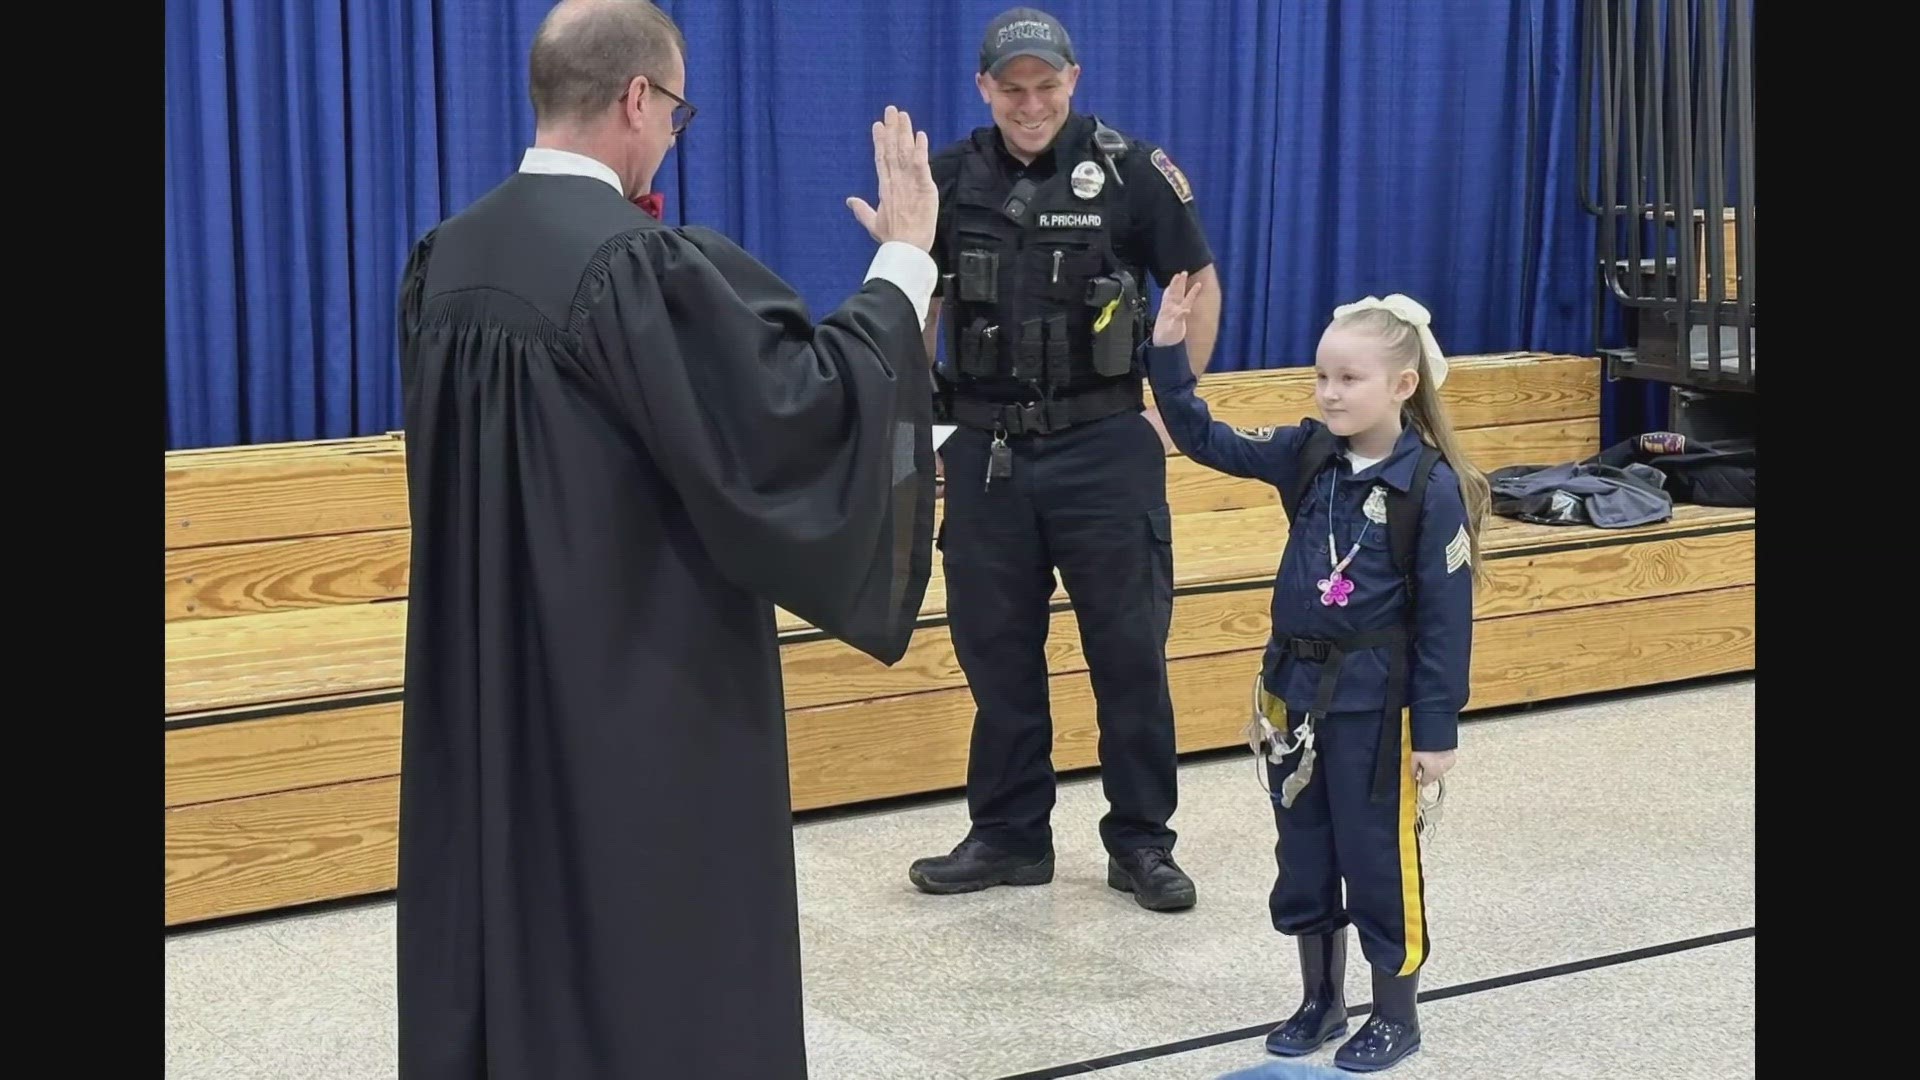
{"points": [[1332, 654], [1047, 417]]}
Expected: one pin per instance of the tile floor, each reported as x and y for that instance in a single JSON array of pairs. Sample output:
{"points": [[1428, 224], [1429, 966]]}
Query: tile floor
{"points": [[1616, 832]]}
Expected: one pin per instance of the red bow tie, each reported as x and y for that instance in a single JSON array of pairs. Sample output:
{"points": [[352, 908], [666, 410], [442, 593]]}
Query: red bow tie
{"points": [[653, 203]]}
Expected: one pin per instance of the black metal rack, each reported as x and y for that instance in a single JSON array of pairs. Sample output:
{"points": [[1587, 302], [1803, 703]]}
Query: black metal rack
{"points": [[1670, 84]]}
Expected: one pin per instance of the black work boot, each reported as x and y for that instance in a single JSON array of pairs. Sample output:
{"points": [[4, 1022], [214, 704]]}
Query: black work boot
{"points": [[1391, 1033], [1155, 880], [974, 865], [1322, 1015]]}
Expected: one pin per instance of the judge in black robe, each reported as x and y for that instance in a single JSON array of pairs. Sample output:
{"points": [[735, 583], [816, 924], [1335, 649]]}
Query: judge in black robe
{"points": [[626, 443]]}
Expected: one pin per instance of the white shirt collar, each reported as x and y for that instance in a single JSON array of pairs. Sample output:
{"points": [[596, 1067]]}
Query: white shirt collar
{"points": [[542, 159]]}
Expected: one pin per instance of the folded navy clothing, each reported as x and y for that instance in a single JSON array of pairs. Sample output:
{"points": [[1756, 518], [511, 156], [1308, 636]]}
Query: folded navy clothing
{"points": [[1705, 472], [1604, 496]]}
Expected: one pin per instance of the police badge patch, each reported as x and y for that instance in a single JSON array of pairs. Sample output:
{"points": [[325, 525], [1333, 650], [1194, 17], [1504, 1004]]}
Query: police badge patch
{"points": [[1255, 434], [1088, 180], [1175, 178]]}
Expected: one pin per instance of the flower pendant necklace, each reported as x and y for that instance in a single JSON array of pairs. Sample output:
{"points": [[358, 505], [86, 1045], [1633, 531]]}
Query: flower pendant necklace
{"points": [[1336, 587]]}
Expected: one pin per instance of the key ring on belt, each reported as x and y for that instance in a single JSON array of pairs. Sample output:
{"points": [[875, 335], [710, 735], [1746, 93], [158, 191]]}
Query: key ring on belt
{"points": [[1261, 733]]}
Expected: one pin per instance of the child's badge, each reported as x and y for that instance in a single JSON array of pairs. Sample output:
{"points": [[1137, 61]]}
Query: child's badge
{"points": [[1175, 178], [1376, 505], [1255, 434]]}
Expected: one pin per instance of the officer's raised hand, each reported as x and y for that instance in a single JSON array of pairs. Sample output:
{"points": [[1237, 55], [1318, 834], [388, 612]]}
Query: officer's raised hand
{"points": [[1176, 302], [909, 201]]}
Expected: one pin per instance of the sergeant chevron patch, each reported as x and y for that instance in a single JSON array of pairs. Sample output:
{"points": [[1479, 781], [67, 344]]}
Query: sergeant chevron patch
{"points": [[1459, 550]]}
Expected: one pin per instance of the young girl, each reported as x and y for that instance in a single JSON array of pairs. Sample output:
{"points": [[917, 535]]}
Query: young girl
{"points": [[1359, 695]]}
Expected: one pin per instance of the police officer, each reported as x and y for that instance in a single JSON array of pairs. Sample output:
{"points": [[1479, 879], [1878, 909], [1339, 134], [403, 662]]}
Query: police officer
{"points": [[1049, 222]]}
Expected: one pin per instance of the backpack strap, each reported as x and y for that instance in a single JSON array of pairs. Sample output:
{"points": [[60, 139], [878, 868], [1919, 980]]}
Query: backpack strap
{"points": [[1314, 455], [1403, 533], [1403, 511], [1403, 515]]}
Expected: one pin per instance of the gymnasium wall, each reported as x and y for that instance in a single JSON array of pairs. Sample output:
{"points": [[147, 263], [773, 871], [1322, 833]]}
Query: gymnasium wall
{"points": [[1337, 148]]}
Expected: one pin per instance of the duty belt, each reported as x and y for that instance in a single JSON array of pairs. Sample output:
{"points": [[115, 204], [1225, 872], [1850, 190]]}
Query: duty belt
{"points": [[1046, 417], [1331, 655]]}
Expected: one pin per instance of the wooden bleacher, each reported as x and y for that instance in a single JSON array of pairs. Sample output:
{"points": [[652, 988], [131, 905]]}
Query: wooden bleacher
{"points": [[286, 575]]}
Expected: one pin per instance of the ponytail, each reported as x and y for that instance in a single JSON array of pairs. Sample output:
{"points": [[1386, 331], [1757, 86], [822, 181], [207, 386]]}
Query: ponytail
{"points": [[1430, 419], [1404, 327]]}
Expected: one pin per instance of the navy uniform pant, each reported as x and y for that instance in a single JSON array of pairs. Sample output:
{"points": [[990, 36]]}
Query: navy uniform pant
{"points": [[1336, 833], [1092, 502]]}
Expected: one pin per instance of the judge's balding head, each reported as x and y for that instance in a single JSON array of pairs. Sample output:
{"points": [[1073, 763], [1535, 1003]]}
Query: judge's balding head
{"points": [[610, 74], [589, 52]]}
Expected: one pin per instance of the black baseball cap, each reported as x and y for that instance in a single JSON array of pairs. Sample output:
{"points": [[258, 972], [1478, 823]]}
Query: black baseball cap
{"points": [[1025, 31]]}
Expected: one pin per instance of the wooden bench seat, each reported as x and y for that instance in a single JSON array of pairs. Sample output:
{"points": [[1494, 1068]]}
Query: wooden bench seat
{"points": [[333, 652], [303, 525], [287, 614]]}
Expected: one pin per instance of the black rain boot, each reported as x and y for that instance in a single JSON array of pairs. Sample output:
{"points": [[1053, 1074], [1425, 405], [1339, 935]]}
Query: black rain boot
{"points": [[1392, 1032], [1322, 1015]]}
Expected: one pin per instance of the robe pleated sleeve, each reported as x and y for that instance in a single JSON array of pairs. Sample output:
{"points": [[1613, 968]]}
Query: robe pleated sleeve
{"points": [[802, 450]]}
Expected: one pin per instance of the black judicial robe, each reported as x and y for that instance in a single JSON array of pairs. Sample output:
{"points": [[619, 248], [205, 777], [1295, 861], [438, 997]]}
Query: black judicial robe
{"points": [[626, 444]]}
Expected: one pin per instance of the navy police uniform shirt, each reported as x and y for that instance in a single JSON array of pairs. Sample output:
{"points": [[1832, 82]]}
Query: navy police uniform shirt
{"points": [[1441, 630], [1161, 231]]}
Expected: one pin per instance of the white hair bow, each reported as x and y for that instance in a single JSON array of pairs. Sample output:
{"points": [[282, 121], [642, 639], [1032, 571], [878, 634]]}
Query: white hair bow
{"points": [[1413, 313]]}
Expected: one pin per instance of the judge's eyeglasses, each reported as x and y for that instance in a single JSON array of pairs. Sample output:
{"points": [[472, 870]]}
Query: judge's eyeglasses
{"points": [[683, 111]]}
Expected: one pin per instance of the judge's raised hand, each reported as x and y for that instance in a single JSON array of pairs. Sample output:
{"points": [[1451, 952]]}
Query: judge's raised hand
{"points": [[909, 202], [1176, 302]]}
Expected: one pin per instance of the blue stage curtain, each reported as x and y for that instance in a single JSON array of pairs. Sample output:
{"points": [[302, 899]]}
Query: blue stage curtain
{"points": [[302, 159], [1337, 148]]}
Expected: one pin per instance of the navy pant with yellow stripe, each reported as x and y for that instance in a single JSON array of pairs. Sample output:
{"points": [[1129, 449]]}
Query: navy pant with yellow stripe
{"points": [[1335, 832]]}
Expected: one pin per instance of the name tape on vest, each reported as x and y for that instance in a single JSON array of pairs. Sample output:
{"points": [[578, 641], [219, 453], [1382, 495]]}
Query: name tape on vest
{"points": [[1070, 221]]}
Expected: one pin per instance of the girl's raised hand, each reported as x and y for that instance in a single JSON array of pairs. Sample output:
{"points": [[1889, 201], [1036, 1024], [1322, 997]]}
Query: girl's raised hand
{"points": [[1176, 301]]}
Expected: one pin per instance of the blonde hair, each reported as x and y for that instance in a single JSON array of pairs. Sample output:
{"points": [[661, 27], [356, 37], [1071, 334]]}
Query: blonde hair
{"points": [[1404, 346]]}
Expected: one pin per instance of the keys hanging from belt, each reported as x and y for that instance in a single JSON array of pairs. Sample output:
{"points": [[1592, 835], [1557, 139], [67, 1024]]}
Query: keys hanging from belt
{"points": [[1271, 744], [999, 459], [1299, 778]]}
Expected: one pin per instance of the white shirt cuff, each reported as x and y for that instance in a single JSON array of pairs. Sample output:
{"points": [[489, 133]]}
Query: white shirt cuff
{"points": [[911, 269]]}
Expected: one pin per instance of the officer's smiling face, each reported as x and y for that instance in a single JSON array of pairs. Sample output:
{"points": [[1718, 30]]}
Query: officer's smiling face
{"points": [[1030, 101], [1357, 383]]}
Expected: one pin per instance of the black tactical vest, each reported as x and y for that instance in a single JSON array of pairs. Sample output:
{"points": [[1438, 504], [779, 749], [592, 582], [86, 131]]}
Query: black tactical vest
{"points": [[1039, 308]]}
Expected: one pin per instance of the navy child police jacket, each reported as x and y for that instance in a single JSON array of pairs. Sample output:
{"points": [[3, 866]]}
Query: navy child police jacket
{"points": [[1441, 631]]}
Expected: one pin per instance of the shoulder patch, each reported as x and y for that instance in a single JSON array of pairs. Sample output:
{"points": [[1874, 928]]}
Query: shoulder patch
{"points": [[1255, 434], [1459, 550], [1175, 178], [1663, 442]]}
